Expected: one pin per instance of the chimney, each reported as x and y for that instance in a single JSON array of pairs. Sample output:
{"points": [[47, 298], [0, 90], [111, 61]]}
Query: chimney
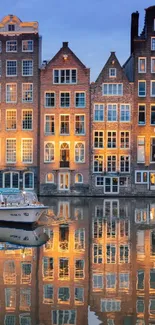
{"points": [[134, 28], [65, 44]]}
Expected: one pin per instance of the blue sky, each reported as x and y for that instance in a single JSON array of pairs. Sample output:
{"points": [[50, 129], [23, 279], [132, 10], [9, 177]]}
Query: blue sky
{"points": [[92, 27]]}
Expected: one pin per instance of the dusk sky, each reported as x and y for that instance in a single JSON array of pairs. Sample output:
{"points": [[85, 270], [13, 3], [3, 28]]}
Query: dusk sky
{"points": [[93, 28]]}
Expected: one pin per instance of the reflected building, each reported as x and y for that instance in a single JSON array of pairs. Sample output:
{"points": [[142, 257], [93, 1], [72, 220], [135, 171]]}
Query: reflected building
{"points": [[63, 265]]}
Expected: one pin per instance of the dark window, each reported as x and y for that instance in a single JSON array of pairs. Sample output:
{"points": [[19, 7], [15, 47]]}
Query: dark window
{"points": [[11, 28], [153, 115], [141, 115], [152, 149]]}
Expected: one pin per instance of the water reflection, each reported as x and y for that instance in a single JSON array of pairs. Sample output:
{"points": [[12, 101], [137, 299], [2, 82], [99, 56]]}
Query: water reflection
{"points": [[100, 254]]}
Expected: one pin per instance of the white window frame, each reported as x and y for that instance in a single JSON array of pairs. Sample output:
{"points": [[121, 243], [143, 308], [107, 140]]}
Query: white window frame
{"points": [[67, 277], [141, 162], [64, 83], [49, 92], [11, 178], [139, 81], [124, 131], [28, 172], [65, 92], [124, 246], [80, 162], [125, 110], [113, 303], [98, 288], [27, 110], [48, 133], [7, 42], [110, 275], [139, 59], [108, 94], [111, 155], [15, 101], [80, 134], [48, 182], [124, 172], [152, 137], [27, 41], [114, 108], [82, 178], [83, 270], [151, 82], [98, 137], [98, 256], [110, 75], [99, 109], [64, 189], [111, 185], [27, 75], [64, 134], [27, 101], [22, 141], [11, 162], [152, 38], [49, 162], [99, 176], [144, 105], [152, 59], [112, 137], [110, 256], [79, 92], [11, 75], [10, 110], [102, 159], [124, 274]]}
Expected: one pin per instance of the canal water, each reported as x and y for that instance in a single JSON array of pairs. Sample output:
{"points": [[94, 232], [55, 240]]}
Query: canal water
{"points": [[97, 266]]}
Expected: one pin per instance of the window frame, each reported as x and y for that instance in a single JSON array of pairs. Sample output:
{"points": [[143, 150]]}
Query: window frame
{"points": [[75, 178], [48, 133], [28, 75], [28, 172], [111, 184], [138, 137], [80, 92], [45, 143], [65, 92], [151, 82], [112, 110], [112, 76], [27, 101], [7, 46], [151, 162], [152, 38], [64, 134], [22, 152], [152, 58], [49, 92], [139, 81], [48, 182], [80, 134], [10, 110], [139, 59], [28, 51], [64, 83], [108, 94], [124, 104], [10, 84], [98, 138], [79, 162], [27, 110], [141, 172], [144, 105], [112, 142], [98, 104], [124, 172], [125, 137], [11, 162], [101, 155], [11, 75]]}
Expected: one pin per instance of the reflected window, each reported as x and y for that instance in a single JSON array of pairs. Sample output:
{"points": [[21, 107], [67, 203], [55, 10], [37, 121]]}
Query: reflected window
{"points": [[25, 319], [64, 317], [10, 320], [26, 270], [79, 239], [111, 281], [25, 299], [140, 322], [140, 280], [124, 281], [152, 306], [64, 237], [97, 282], [10, 298], [63, 295], [111, 208], [124, 254], [140, 305], [97, 228], [48, 268], [111, 229], [153, 243], [124, 228], [141, 215], [79, 296], [152, 279], [152, 213], [63, 268], [97, 254], [79, 269], [111, 254], [63, 210], [110, 321], [48, 294], [9, 274], [78, 213], [110, 305], [140, 242], [99, 211], [50, 234]]}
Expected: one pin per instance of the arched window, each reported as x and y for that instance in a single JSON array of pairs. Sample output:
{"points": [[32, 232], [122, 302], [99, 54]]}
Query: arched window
{"points": [[28, 180], [11, 180], [78, 178], [49, 152], [49, 178], [79, 152]]}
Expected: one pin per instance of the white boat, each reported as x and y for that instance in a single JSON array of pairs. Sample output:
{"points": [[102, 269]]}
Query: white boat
{"points": [[20, 207], [12, 238]]}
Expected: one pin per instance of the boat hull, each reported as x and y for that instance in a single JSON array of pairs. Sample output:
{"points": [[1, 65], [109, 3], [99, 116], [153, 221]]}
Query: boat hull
{"points": [[22, 215]]}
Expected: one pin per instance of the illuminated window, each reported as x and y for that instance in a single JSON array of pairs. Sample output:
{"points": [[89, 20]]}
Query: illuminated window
{"points": [[141, 149], [98, 139], [125, 113], [11, 46], [27, 68], [112, 89], [79, 152], [111, 164], [50, 234], [97, 254], [98, 166], [141, 215], [25, 299], [11, 93], [152, 158], [64, 181], [26, 272], [65, 99], [27, 46], [49, 124], [11, 119], [111, 254], [28, 180], [49, 100], [124, 228], [79, 269], [64, 124], [10, 298], [111, 229], [79, 296], [27, 150], [97, 281], [124, 139], [124, 254], [124, 164], [98, 112], [10, 150], [142, 65], [97, 228], [112, 113], [11, 180], [48, 268], [27, 92], [79, 124], [11, 68], [27, 119], [49, 178], [79, 239], [65, 76], [80, 100], [78, 178], [63, 268], [111, 139], [48, 152], [141, 114], [141, 88], [9, 273], [63, 295], [111, 281], [48, 294]]}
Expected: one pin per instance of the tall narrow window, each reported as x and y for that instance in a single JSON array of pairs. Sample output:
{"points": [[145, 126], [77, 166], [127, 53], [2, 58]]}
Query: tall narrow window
{"points": [[11, 46], [112, 113], [48, 294], [27, 92], [79, 124], [10, 150], [98, 164], [79, 152], [28, 180], [78, 178], [111, 139], [80, 100], [9, 274], [97, 254], [49, 99], [124, 139], [63, 268], [11, 93], [79, 269], [140, 279], [152, 88], [152, 150], [11, 120], [141, 88], [124, 164], [111, 164], [10, 298], [48, 152], [152, 65], [98, 139], [26, 272], [27, 150], [27, 46], [98, 112], [27, 119], [124, 254], [141, 65], [152, 114], [25, 299], [11, 68], [111, 253], [125, 113], [153, 43], [141, 115], [79, 239], [27, 68], [64, 124], [49, 124], [64, 99], [141, 149], [48, 268]]}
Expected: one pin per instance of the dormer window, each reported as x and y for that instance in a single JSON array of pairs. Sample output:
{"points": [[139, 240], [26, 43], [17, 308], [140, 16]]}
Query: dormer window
{"points": [[112, 72], [11, 28]]}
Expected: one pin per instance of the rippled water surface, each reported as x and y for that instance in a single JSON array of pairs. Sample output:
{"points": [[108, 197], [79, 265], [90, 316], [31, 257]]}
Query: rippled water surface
{"points": [[98, 266]]}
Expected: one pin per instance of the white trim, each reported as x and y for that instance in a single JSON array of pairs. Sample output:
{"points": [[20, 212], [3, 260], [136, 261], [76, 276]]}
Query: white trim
{"points": [[49, 92], [138, 114], [28, 51], [10, 162], [25, 110], [46, 133], [79, 92], [140, 162], [27, 75], [11, 75], [111, 155], [98, 172], [94, 139], [64, 174], [22, 140], [112, 76], [9, 84], [28, 172], [80, 134], [151, 82], [111, 178], [112, 104], [75, 178], [99, 176], [48, 182], [139, 59], [150, 113], [10, 110], [111, 148], [124, 172], [152, 58], [11, 179], [138, 88], [98, 104], [63, 134], [142, 172], [151, 43], [11, 40], [125, 104], [106, 83], [63, 92], [151, 162], [125, 148], [46, 142], [79, 162], [64, 83], [27, 101]]}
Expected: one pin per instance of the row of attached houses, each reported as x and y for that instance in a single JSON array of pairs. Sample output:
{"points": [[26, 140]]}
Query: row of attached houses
{"points": [[61, 135]]}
